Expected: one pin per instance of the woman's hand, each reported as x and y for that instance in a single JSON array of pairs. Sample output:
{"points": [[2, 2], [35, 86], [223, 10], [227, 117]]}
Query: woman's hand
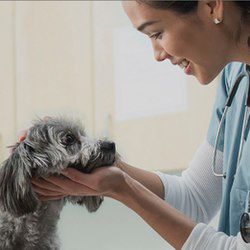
{"points": [[104, 181], [22, 135]]}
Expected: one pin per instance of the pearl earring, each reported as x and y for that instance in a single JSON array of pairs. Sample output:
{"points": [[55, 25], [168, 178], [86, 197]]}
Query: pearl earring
{"points": [[217, 21]]}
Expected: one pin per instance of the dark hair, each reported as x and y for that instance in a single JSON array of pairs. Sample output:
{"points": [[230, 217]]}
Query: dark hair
{"points": [[245, 9], [189, 7], [181, 7]]}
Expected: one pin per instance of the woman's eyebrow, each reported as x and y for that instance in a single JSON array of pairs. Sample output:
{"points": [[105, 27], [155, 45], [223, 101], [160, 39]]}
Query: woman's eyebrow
{"points": [[146, 24]]}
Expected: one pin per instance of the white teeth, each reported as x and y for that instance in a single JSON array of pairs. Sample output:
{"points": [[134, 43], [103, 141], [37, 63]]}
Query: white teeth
{"points": [[184, 64]]}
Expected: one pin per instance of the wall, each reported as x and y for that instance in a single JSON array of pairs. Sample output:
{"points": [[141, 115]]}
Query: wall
{"points": [[47, 65]]}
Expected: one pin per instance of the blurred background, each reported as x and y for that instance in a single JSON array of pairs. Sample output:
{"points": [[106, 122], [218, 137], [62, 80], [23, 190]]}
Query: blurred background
{"points": [[84, 60]]}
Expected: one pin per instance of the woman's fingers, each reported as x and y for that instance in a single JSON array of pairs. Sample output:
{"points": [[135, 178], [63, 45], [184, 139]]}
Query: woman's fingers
{"points": [[70, 187], [79, 177], [101, 179], [46, 192], [42, 183], [22, 135], [50, 198], [76, 184]]}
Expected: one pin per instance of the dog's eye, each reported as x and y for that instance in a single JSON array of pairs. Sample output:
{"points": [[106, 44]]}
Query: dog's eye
{"points": [[68, 140]]}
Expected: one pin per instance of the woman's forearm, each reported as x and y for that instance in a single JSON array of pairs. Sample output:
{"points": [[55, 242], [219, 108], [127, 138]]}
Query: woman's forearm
{"points": [[173, 226], [148, 179]]}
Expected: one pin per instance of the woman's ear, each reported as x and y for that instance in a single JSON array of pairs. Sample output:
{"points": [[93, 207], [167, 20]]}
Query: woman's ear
{"points": [[215, 8], [16, 194]]}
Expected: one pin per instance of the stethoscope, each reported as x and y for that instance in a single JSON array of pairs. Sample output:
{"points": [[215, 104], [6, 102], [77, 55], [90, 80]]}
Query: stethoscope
{"points": [[245, 218]]}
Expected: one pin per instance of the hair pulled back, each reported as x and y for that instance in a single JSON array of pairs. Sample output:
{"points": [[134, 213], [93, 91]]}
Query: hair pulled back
{"points": [[187, 7]]}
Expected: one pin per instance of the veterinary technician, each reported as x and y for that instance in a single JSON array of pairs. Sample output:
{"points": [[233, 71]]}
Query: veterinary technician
{"points": [[204, 38]]}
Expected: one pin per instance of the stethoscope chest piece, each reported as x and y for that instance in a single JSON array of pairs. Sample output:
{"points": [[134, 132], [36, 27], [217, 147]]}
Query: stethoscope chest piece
{"points": [[245, 221], [245, 227]]}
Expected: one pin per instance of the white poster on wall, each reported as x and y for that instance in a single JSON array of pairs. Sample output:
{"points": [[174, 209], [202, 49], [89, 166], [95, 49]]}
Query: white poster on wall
{"points": [[143, 86]]}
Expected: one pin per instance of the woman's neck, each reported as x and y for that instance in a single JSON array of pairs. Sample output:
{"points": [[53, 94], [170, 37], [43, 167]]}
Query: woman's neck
{"points": [[241, 51]]}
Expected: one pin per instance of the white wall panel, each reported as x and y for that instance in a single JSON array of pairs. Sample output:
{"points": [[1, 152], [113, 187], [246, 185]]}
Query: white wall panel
{"points": [[53, 58], [46, 64], [7, 78]]}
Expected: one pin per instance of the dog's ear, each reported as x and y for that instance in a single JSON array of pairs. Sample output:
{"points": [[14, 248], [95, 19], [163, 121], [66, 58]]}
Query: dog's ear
{"points": [[92, 203], [16, 194]]}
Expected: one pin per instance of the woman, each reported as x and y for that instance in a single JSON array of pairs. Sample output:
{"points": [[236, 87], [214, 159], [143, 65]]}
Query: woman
{"points": [[203, 37]]}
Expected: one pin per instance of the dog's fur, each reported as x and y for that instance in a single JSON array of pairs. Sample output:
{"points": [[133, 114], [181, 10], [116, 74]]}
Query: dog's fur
{"points": [[50, 146]]}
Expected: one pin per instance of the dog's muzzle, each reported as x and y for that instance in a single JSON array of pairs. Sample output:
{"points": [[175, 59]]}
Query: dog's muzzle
{"points": [[105, 156]]}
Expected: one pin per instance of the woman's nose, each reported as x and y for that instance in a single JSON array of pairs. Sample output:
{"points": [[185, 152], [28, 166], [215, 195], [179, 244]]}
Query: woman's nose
{"points": [[160, 53]]}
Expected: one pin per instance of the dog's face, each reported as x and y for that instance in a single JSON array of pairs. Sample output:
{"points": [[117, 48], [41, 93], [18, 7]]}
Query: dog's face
{"points": [[50, 147]]}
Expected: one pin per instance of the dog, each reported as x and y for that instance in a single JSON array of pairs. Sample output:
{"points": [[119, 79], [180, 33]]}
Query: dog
{"points": [[50, 146]]}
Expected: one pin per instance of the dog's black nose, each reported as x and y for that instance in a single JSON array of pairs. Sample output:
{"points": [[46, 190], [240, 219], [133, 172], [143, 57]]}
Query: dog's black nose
{"points": [[108, 146]]}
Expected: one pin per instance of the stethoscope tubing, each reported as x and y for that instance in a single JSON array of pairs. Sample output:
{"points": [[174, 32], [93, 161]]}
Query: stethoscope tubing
{"points": [[216, 145], [245, 218], [229, 101]]}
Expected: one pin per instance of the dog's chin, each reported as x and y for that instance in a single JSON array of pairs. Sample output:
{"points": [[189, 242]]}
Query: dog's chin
{"points": [[79, 167], [91, 165]]}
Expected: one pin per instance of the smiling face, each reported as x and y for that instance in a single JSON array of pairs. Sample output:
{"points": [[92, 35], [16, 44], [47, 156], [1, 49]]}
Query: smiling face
{"points": [[193, 37]]}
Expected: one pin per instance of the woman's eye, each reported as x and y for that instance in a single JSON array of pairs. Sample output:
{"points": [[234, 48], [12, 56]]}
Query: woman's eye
{"points": [[156, 36]]}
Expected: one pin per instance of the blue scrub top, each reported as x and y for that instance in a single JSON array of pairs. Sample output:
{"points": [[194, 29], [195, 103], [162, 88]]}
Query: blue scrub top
{"points": [[237, 182]]}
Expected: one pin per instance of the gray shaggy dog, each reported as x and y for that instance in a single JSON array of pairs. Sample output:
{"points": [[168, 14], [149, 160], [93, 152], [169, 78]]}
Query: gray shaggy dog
{"points": [[50, 146]]}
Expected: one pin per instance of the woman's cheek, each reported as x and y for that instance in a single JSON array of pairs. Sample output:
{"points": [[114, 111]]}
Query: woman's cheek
{"points": [[176, 47]]}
